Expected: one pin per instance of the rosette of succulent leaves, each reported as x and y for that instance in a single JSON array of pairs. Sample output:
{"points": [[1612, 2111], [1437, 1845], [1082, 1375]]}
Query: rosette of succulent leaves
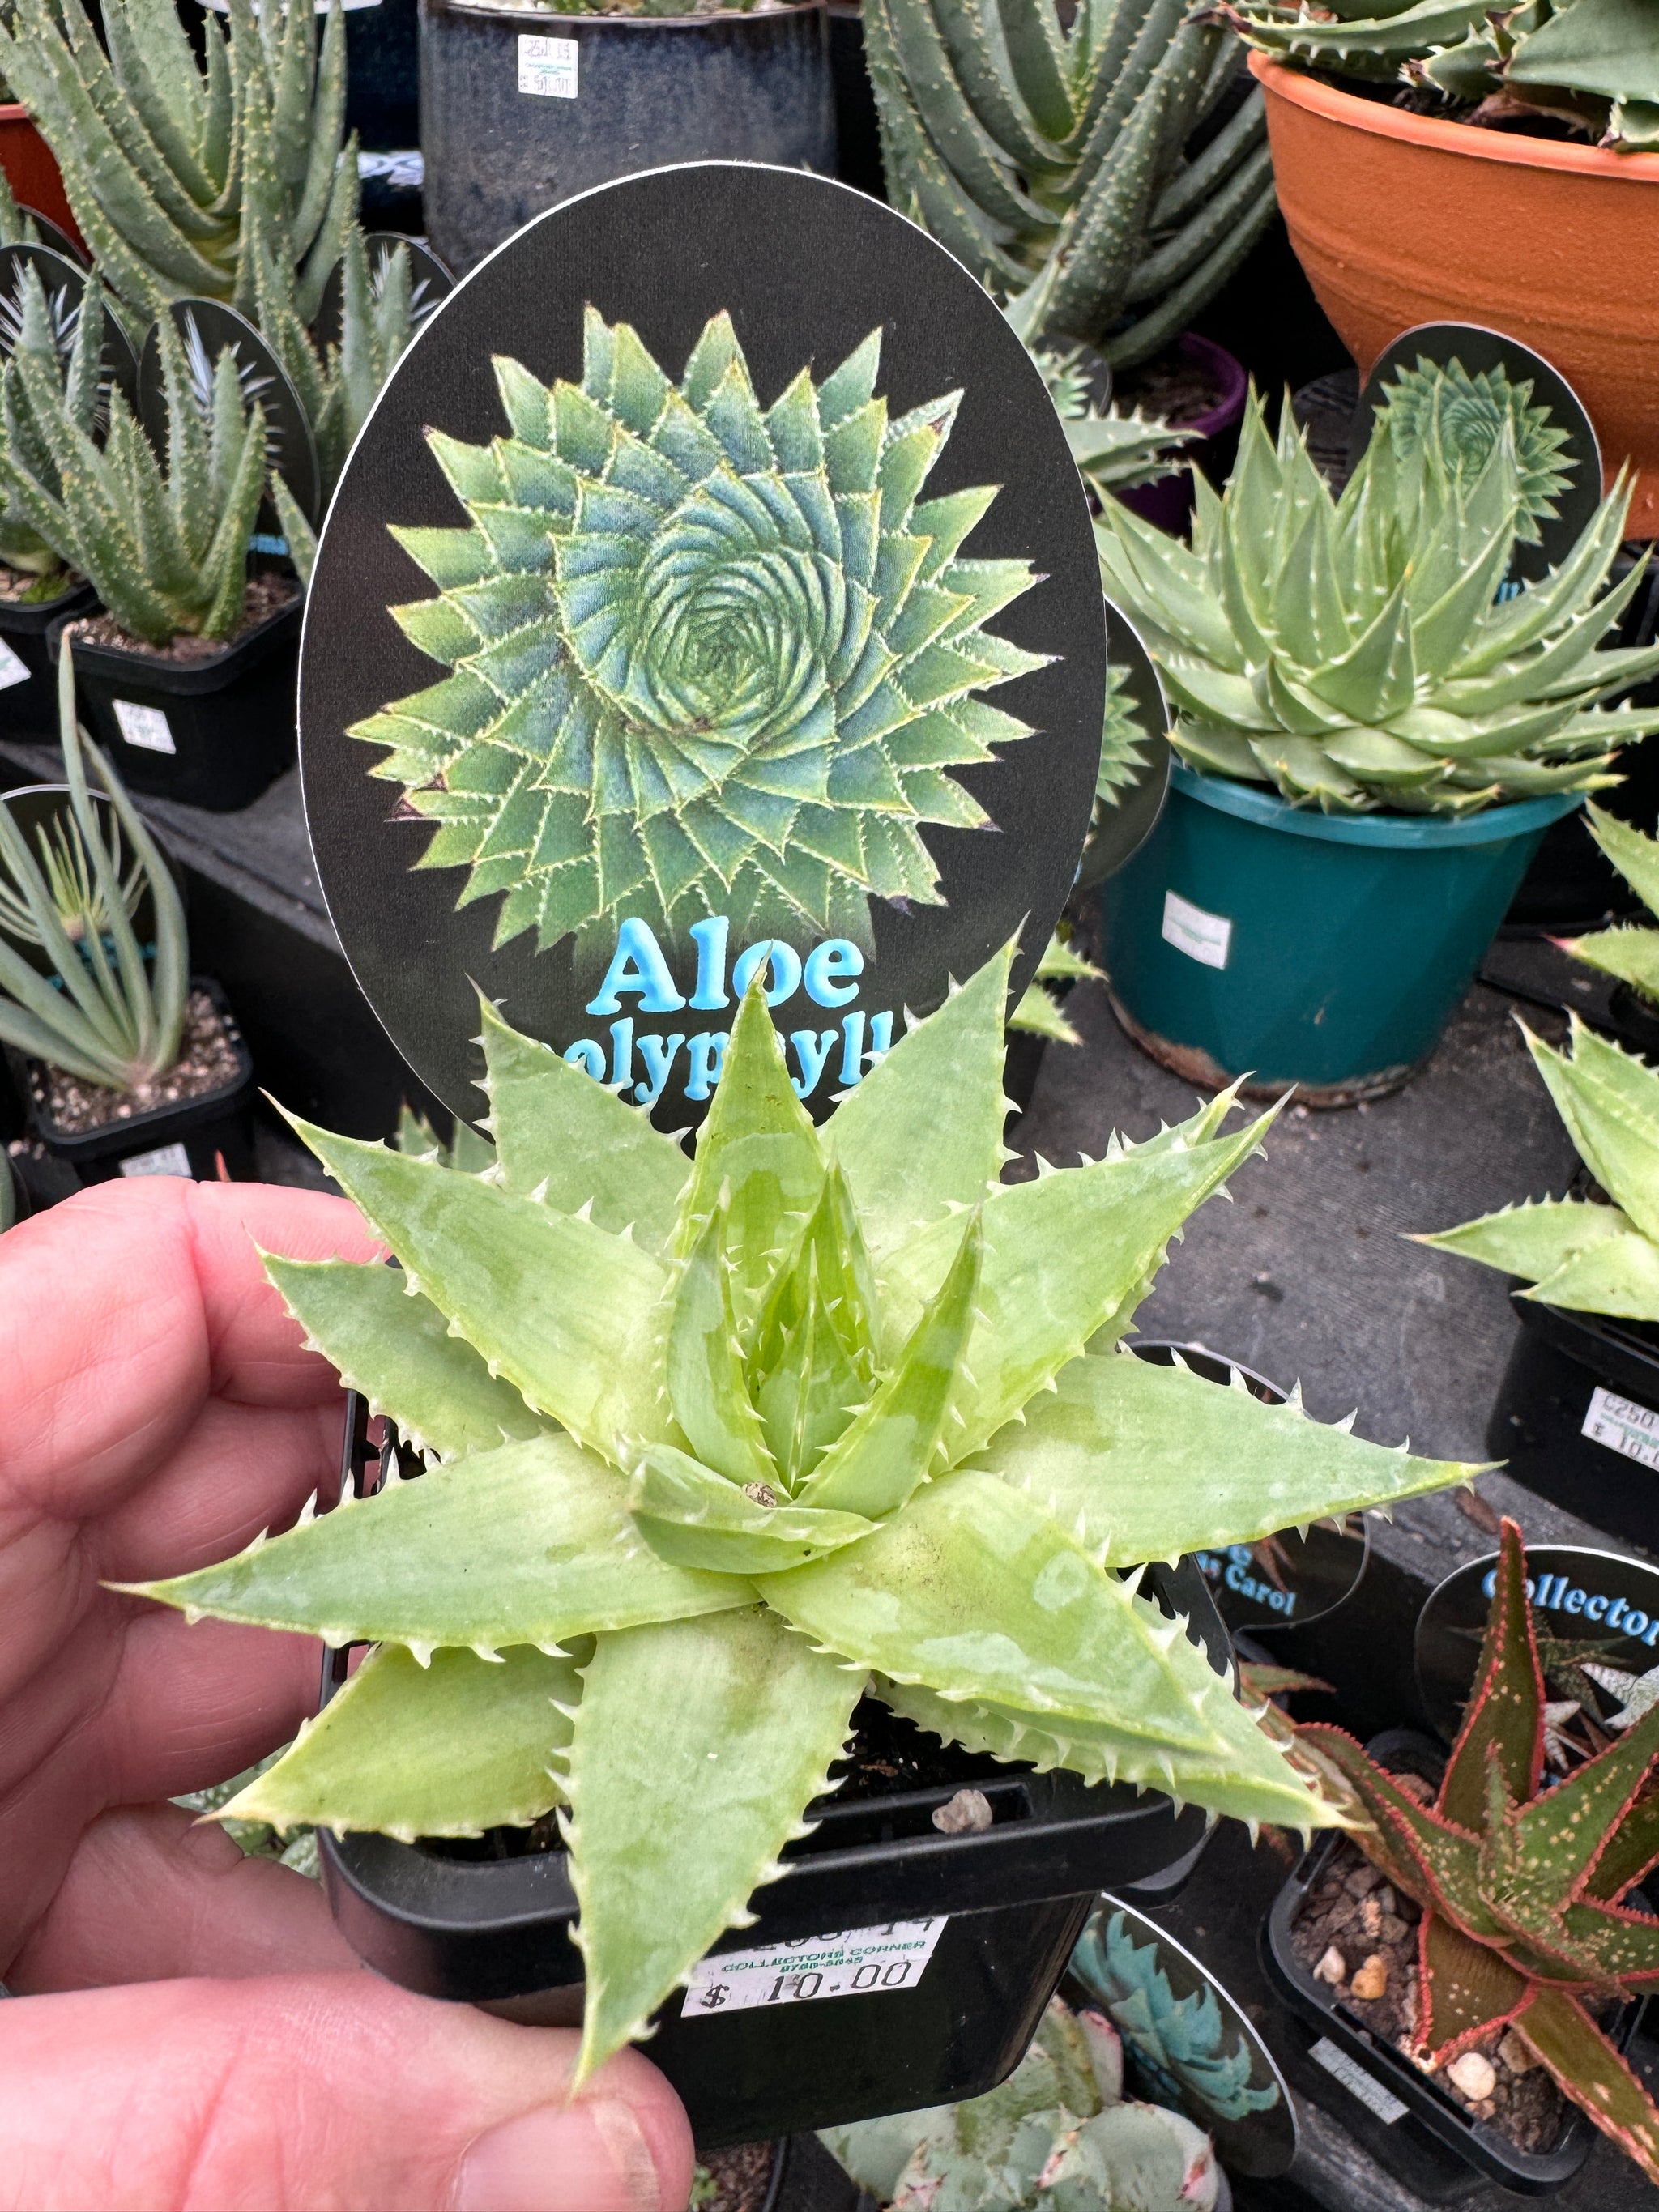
{"points": [[1593, 64], [1058, 2133], [1592, 1256], [1526, 1925], [714, 1443], [1628, 951], [164, 547], [1055, 155], [1353, 651]]}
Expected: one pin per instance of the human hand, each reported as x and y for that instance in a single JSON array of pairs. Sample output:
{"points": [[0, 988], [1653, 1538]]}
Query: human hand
{"points": [[191, 2030]]}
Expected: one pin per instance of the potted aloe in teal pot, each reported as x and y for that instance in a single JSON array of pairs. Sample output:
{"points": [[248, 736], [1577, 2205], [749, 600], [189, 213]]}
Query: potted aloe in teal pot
{"points": [[1375, 723]]}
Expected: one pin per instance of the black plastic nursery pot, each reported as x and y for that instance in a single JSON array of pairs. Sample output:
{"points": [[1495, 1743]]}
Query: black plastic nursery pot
{"points": [[1577, 1416], [191, 1138], [522, 107], [1631, 1020], [212, 733], [29, 671]]}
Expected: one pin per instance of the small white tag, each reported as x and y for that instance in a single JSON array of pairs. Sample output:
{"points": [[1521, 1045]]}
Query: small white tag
{"points": [[12, 670], [1623, 1426], [1369, 2090], [547, 67], [166, 1159], [858, 1962], [1200, 936], [146, 727]]}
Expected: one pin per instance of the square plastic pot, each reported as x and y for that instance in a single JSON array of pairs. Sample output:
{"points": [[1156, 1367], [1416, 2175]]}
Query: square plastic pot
{"points": [[211, 734], [1558, 1364], [28, 699]]}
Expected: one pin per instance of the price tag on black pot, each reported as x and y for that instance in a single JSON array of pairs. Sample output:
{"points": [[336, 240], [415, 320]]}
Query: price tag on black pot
{"points": [[1491, 377], [1187, 2042], [208, 329], [1135, 755], [680, 618], [430, 283], [857, 1962], [1595, 1616], [64, 282]]}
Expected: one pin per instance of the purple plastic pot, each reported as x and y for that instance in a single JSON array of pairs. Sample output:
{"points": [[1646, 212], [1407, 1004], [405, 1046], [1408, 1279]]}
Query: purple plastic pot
{"points": [[1169, 502]]}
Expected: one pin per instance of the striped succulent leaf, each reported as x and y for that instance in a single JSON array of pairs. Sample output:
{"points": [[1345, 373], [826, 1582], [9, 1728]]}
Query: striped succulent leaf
{"points": [[708, 657], [734, 1435]]}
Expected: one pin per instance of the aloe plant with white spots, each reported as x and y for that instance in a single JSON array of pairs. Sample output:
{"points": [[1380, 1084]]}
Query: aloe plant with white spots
{"points": [[719, 1441]]}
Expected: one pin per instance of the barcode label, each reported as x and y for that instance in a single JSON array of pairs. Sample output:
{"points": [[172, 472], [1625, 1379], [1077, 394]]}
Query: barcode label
{"points": [[12, 670], [1623, 1426], [1369, 2090], [146, 727], [1206, 937], [547, 67], [857, 1962], [166, 1159]]}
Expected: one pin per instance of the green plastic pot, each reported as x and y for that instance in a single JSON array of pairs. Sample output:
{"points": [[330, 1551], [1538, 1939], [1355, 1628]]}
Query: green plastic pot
{"points": [[1251, 937]]}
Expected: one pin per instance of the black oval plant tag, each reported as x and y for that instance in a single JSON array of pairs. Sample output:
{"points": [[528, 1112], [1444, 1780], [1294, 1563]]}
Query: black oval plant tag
{"points": [[207, 328], [1188, 2044], [54, 235], [1595, 1616], [430, 283], [683, 614], [1135, 756], [1561, 460], [63, 281]]}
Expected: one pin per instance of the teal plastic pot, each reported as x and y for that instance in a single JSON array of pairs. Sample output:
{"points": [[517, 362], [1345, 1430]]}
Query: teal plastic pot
{"points": [[1251, 937]]}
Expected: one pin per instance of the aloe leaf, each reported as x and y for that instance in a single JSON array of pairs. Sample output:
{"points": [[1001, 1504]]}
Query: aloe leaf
{"points": [[568, 1139], [1618, 1276], [1631, 955], [706, 1384], [1503, 1721], [1532, 1240], [399, 1352], [975, 1592], [907, 1168], [543, 1528], [1635, 856], [1568, 1828], [448, 1749], [500, 1268], [1609, 1101], [1467, 1988], [1588, 2068], [694, 1518], [697, 1746], [1419, 1850]]}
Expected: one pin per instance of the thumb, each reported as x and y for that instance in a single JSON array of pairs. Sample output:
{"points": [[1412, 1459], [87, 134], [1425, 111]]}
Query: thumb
{"points": [[320, 2093]]}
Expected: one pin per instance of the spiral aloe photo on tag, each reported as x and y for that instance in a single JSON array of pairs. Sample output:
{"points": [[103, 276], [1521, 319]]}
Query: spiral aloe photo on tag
{"points": [[711, 595]]}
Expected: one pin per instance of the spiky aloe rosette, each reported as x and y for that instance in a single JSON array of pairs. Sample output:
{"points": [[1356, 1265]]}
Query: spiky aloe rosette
{"points": [[707, 658], [725, 1441], [1523, 1887]]}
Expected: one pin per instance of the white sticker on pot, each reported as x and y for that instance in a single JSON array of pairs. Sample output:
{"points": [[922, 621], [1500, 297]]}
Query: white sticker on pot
{"points": [[1204, 936], [547, 67], [146, 727], [1369, 2090], [166, 1159], [857, 1962], [12, 670], [1623, 1426]]}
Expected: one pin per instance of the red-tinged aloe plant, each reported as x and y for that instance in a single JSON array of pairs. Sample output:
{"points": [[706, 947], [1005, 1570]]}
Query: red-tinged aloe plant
{"points": [[1522, 1887]]}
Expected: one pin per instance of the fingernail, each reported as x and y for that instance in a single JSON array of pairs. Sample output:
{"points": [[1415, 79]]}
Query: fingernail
{"points": [[593, 2156]]}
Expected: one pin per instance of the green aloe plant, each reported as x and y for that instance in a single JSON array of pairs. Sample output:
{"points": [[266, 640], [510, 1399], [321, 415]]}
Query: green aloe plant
{"points": [[1591, 63], [707, 658], [1525, 1924], [1048, 155], [724, 1440], [105, 1013], [164, 547], [21, 546], [1628, 951], [1580, 1253], [1354, 652]]}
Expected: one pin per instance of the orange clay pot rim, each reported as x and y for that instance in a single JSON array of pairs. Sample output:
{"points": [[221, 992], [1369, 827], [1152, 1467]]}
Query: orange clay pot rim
{"points": [[1302, 90]]}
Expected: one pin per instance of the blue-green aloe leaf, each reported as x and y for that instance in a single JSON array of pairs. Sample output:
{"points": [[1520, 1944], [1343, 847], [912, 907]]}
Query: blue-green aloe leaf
{"points": [[1532, 1240], [1609, 1101], [698, 1745], [706, 1383], [698, 1519]]}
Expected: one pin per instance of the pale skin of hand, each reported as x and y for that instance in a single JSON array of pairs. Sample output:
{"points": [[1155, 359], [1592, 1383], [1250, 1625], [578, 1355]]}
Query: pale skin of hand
{"points": [[190, 2030]]}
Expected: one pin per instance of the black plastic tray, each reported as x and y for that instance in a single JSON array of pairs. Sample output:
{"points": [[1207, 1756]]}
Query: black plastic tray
{"points": [[1557, 1362]]}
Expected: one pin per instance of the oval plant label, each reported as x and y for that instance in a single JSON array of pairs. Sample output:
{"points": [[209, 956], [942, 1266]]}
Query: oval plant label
{"points": [[63, 281], [711, 593], [208, 329]]}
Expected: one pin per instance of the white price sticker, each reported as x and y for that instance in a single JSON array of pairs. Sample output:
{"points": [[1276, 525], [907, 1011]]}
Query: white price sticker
{"points": [[1623, 1426], [1369, 2090], [146, 727], [166, 1159], [12, 670], [1203, 937], [547, 67], [858, 1962]]}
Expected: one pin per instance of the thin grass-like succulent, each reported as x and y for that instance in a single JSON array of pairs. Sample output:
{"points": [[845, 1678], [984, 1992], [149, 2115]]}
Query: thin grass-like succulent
{"points": [[1629, 951], [1526, 1923], [107, 1013], [1576, 1252], [707, 658], [726, 1440]]}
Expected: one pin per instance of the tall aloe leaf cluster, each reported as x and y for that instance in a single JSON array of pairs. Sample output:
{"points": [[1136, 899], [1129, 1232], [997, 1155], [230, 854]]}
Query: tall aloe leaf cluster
{"points": [[1576, 1252], [1629, 951], [1052, 154], [708, 657], [1593, 63], [724, 1441], [1354, 652], [22, 547], [165, 547], [1525, 1925]]}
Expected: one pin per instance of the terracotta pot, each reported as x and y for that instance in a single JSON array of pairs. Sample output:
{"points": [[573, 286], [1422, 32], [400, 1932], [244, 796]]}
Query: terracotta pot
{"points": [[1402, 219], [31, 168]]}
